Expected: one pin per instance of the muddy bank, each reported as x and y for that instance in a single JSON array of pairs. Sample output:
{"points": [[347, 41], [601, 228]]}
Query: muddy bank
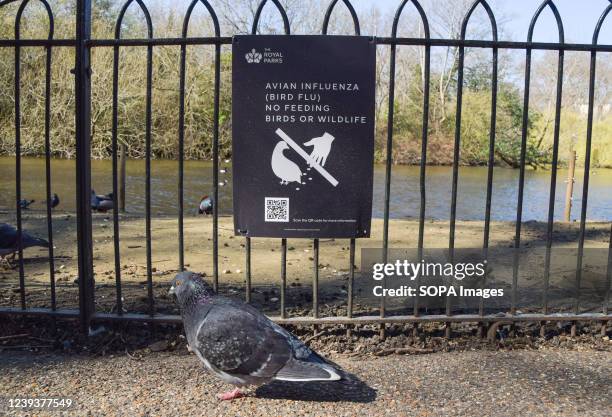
{"points": [[265, 259]]}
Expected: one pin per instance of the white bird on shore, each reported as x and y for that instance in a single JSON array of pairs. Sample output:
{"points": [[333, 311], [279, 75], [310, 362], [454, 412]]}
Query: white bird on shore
{"points": [[285, 169]]}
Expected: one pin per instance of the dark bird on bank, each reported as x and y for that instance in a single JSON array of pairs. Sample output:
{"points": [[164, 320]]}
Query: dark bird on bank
{"points": [[241, 345], [25, 204], [9, 242], [101, 203], [206, 205], [55, 201]]}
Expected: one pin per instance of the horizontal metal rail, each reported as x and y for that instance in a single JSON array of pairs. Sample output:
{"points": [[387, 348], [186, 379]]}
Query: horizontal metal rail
{"points": [[160, 41], [467, 43], [36, 42], [332, 320], [227, 40]]}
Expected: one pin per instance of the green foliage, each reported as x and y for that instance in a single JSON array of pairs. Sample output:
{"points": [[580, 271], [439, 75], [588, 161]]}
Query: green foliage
{"points": [[199, 91], [475, 125]]}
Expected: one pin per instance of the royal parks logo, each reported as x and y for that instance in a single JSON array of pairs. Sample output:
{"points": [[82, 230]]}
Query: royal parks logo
{"points": [[253, 57], [267, 57]]}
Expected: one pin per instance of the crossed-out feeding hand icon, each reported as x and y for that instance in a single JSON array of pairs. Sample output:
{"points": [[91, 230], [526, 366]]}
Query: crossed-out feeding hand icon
{"points": [[321, 147]]}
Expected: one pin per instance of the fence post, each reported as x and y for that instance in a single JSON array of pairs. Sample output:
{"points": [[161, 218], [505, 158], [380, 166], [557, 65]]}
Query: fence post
{"points": [[82, 73]]}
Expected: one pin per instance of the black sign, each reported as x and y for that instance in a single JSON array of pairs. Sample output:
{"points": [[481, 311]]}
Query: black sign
{"points": [[303, 135]]}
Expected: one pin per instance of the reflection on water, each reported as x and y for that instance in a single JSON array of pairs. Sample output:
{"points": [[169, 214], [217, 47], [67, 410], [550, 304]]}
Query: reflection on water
{"points": [[405, 197]]}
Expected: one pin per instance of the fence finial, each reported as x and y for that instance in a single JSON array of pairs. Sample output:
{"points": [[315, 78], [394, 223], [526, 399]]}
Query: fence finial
{"points": [[421, 12], [468, 15], [281, 10], [145, 11], [537, 14], [600, 23], [351, 10], [211, 12], [22, 7]]}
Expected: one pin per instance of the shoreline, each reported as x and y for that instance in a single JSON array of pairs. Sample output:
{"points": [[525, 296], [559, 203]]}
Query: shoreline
{"points": [[265, 257], [545, 167]]}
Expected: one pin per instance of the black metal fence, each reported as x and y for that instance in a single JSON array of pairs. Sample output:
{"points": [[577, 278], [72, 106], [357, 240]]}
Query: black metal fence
{"points": [[83, 44]]}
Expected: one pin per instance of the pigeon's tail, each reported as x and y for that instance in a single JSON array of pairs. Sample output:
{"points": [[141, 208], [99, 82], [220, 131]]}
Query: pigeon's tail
{"points": [[296, 370]]}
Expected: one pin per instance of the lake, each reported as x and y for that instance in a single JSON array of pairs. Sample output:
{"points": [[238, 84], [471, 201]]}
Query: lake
{"points": [[405, 199]]}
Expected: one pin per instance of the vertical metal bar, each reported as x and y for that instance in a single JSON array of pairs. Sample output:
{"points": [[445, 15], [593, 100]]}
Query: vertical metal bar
{"points": [[351, 280], [521, 185], [48, 172], [247, 270], [181, 138], [216, 164], [315, 279], [17, 87], [83, 162], [425, 121], [116, 203], [524, 134], [283, 289], [254, 28], [585, 181], [357, 30], [606, 301], [456, 151], [423, 165], [553, 180], [215, 144], [389, 161], [490, 166], [148, 173], [585, 186]]}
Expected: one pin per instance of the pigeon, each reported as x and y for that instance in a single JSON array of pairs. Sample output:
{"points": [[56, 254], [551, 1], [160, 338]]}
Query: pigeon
{"points": [[285, 169], [55, 201], [206, 205], [25, 204], [241, 345], [9, 243], [101, 203]]}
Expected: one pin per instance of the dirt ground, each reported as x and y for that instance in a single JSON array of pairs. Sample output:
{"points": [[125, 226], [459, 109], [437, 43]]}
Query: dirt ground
{"points": [[265, 258], [545, 382]]}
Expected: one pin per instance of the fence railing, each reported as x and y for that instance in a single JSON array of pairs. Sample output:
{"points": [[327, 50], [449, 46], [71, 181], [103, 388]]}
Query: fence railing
{"points": [[83, 44]]}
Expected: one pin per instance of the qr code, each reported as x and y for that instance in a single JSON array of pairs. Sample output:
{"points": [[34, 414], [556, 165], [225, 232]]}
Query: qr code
{"points": [[277, 209]]}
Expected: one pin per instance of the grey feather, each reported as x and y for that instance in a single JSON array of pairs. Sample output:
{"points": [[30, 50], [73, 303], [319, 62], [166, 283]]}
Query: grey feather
{"points": [[239, 343], [9, 240]]}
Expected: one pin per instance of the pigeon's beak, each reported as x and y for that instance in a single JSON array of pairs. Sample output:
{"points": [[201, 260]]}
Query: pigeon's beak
{"points": [[171, 291]]}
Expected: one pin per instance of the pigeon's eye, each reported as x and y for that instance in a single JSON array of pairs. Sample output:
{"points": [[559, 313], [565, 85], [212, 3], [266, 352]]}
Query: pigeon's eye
{"points": [[178, 283]]}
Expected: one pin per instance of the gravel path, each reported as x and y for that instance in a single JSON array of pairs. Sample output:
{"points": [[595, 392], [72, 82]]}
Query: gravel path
{"points": [[503, 383]]}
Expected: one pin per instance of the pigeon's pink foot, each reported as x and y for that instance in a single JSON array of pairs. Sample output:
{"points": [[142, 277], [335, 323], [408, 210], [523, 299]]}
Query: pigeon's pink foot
{"points": [[230, 395]]}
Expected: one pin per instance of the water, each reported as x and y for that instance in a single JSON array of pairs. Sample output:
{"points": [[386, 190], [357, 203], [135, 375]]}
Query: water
{"points": [[405, 198]]}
